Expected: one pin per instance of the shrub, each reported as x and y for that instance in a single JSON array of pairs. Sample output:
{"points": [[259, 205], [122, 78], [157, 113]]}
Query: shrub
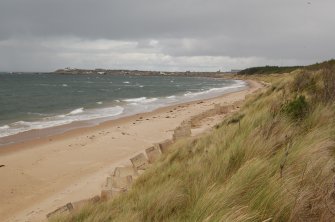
{"points": [[296, 109]]}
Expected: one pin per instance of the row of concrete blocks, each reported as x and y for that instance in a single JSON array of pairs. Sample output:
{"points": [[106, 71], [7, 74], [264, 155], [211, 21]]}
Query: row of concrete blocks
{"points": [[69, 207], [122, 178]]}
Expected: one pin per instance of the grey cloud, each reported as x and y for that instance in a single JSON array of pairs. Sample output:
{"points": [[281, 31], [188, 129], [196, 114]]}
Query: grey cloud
{"points": [[270, 30]]}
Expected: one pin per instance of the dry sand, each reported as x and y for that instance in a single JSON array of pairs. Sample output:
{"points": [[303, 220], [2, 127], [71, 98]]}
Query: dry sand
{"points": [[43, 174]]}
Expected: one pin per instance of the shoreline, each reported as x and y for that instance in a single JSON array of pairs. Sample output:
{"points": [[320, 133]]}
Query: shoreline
{"points": [[45, 173], [46, 135], [35, 134]]}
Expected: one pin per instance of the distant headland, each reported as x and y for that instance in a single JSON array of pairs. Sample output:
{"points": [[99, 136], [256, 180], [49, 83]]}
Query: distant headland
{"points": [[75, 71]]}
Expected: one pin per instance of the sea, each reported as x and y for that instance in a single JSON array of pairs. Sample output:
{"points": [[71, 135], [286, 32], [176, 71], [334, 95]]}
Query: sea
{"points": [[30, 101]]}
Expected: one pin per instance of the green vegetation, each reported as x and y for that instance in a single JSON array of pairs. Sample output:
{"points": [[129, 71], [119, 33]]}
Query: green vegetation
{"points": [[297, 108], [271, 161], [323, 65], [269, 70], [285, 69]]}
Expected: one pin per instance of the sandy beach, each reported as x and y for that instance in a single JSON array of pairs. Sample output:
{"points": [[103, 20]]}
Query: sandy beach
{"points": [[42, 174]]}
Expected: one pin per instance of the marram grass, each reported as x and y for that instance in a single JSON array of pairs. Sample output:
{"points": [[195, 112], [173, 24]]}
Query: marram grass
{"points": [[267, 167]]}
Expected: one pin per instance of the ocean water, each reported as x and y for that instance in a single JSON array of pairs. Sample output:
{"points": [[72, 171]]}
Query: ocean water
{"points": [[38, 101]]}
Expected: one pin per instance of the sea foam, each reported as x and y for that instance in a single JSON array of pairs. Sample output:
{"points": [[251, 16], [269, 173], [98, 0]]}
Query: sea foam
{"points": [[140, 100], [4, 127], [76, 111], [80, 114], [135, 99]]}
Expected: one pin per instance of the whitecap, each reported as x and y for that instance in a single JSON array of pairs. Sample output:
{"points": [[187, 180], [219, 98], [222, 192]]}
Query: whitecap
{"points": [[142, 100], [99, 102], [237, 84], [135, 99], [126, 82], [21, 123], [76, 111], [149, 100], [4, 127], [44, 84], [38, 114], [64, 85]]}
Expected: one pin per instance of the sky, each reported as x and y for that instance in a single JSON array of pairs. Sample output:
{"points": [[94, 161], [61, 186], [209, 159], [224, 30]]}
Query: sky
{"points": [[167, 35]]}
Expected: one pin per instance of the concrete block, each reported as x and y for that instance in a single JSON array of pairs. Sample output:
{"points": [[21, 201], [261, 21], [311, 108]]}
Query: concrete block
{"points": [[125, 171], [153, 153], [195, 120], [95, 199], [66, 209], [119, 182], [140, 162], [140, 172], [106, 194], [164, 146], [182, 131], [118, 191], [186, 123], [81, 203]]}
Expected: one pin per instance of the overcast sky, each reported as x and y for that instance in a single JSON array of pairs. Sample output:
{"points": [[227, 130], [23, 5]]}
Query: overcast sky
{"points": [[44, 35]]}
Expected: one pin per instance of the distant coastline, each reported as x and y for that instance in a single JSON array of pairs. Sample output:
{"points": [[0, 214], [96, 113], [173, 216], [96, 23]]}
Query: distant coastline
{"points": [[74, 71]]}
